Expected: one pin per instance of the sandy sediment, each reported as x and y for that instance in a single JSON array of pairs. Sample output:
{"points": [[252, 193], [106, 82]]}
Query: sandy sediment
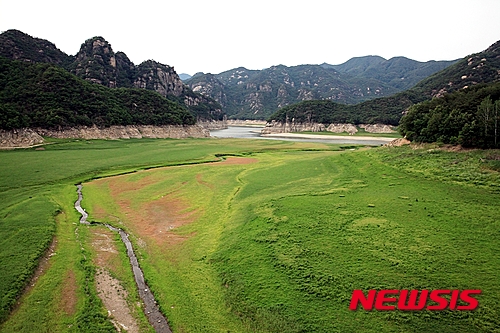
{"points": [[328, 137]]}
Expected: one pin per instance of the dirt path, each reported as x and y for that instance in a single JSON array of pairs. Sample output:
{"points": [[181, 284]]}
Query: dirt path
{"points": [[113, 295], [151, 309], [109, 289]]}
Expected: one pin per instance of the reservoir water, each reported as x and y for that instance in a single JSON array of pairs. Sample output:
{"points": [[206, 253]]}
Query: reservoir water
{"points": [[242, 132]]}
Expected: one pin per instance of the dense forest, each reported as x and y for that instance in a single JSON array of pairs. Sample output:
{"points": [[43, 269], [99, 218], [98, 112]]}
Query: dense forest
{"points": [[45, 95], [470, 117]]}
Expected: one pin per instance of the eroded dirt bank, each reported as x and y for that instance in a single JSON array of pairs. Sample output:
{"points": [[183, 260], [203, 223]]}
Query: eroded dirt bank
{"points": [[28, 137], [109, 289]]}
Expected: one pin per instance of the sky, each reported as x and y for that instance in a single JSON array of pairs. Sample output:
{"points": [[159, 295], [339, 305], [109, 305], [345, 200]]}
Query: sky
{"points": [[213, 36]]}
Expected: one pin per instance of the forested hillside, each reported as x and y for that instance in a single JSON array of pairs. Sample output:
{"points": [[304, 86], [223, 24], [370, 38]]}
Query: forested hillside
{"points": [[383, 110], [47, 96], [483, 67], [257, 94], [96, 62], [17, 45], [470, 117]]}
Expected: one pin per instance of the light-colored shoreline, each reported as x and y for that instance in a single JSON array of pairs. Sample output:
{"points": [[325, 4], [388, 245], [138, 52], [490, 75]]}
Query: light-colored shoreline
{"points": [[328, 137]]}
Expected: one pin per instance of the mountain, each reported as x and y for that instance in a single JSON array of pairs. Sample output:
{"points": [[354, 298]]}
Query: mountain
{"points": [[47, 96], [98, 63], [398, 72], [479, 68], [357, 65], [462, 104], [256, 94], [17, 45], [482, 67], [185, 76]]}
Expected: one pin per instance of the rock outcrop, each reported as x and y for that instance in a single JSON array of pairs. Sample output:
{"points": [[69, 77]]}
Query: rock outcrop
{"points": [[287, 127], [128, 132], [377, 128], [161, 78], [19, 138], [30, 137], [398, 142], [247, 122], [213, 124], [292, 126], [341, 128], [96, 62]]}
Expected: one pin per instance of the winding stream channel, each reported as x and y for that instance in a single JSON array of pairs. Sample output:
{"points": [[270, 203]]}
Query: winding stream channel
{"points": [[151, 309]]}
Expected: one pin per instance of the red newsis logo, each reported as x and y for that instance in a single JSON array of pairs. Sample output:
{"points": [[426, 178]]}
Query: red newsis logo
{"points": [[410, 300]]}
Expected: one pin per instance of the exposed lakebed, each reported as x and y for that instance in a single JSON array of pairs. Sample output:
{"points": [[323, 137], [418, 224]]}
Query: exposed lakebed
{"points": [[242, 132]]}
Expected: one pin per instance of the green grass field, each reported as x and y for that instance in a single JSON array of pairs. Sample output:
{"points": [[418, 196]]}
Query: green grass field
{"points": [[274, 239]]}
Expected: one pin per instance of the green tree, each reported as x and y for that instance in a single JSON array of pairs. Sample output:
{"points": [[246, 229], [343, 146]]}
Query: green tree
{"points": [[485, 113], [496, 115]]}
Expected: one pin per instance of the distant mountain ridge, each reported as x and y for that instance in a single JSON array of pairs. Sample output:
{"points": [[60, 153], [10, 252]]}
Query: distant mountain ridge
{"points": [[185, 76], [475, 69], [256, 94], [364, 89], [399, 72], [98, 63]]}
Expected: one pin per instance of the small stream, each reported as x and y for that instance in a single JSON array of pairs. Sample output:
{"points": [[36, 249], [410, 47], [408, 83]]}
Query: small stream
{"points": [[151, 309]]}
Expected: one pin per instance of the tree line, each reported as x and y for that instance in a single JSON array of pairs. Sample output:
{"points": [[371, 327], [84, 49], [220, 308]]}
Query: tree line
{"points": [[469, 117]]}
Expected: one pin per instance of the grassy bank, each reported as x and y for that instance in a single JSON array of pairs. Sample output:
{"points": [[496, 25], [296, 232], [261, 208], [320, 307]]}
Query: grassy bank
{"points": [[273, 239], [36, 203], [278, 243]]}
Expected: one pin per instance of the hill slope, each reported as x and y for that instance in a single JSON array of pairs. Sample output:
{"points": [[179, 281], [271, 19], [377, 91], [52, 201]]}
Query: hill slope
{"points": [[482, 67], [17, 45], [98, 63], [470, 117], [47, 96], [398, 72], [257, 94]]}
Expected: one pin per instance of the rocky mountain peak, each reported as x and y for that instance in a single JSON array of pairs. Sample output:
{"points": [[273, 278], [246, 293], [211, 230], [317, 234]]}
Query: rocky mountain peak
{"points": [[96, 62], [158, 77], [209, 85]]}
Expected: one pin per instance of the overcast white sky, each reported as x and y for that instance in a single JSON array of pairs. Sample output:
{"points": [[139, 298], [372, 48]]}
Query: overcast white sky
{"points": [[212, 36]]}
